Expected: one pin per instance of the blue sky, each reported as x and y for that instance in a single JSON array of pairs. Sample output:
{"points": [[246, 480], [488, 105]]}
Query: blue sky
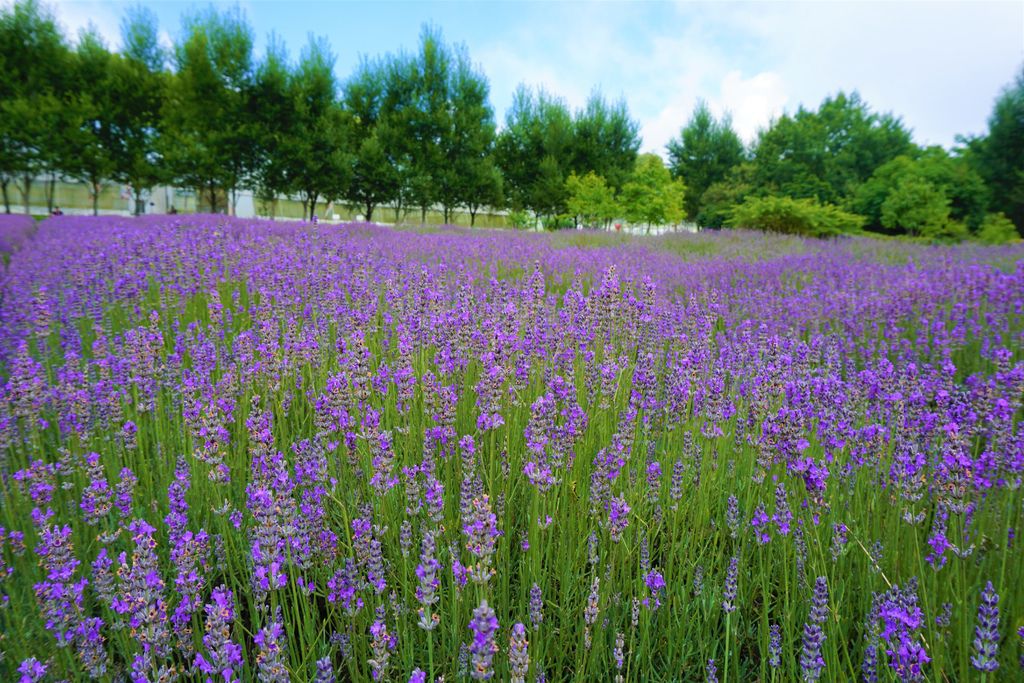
{"points": [[939, 65]]}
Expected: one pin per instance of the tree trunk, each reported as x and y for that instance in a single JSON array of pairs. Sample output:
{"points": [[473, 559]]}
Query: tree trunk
{"points": [[423, 215], [472, 217], [313, 197], [369, 212], [7, 200], [26, 181], [213, 198], [51, 189]]}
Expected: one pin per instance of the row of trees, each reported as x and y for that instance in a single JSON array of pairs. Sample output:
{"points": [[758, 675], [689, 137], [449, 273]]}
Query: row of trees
{"points": [[413, 131], [843, 167], [406, 130]]}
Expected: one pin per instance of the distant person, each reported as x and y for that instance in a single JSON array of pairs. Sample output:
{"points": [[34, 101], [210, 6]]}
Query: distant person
{"points": [[172, 210], [56, 211]]}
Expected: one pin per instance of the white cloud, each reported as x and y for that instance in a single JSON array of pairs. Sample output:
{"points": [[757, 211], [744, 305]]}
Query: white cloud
{"points": [[76, 16], [753, 102]]}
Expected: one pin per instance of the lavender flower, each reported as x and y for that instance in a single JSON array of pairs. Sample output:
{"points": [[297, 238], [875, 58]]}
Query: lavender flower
{"points": [[729, 593], [518, 654], [712, 672], [618, 518], [782, 516], [343, 586], [839, 540], [986, 633], [759, 523], [590, 611], [811, 661], [897, 620], [270, 644], [655, 583], [426, 591], [324, 671], [32, 670], [775, 646], [484, 646], [732, 516], [536, 607], [222, 660], [481, 531], [380, 646]]}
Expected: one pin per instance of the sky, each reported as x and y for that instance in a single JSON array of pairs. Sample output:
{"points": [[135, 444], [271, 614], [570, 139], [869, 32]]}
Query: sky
{"points": [[938, 65]]}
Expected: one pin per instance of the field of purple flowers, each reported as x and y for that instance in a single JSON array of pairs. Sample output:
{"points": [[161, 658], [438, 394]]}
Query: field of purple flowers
{"points": [[240, 450]]}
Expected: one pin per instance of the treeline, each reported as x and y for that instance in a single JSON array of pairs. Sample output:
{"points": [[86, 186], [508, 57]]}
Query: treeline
{"points": [[843, 168], [415, 131]]}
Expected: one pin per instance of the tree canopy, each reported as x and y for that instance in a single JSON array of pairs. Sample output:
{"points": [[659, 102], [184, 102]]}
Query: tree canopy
{"points": [[416, 131]]}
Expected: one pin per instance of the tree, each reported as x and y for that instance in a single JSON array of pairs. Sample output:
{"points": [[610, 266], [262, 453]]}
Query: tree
{"points": [[790, 216], [703, 154], [374, 179], [466, 175], [484, 187], [322, 158], [34, 74], [89, 152], [718, 201], [651, 196], [209, 139], [605, 141], [826, 154], [137, 83], [275, 121], [377, 170], [953, 176], [1000, 155], [590, 199], [534, 152], [919, 208]]}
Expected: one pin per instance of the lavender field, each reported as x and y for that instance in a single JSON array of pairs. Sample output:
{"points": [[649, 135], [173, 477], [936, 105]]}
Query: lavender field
{"points": [[239, 450]]}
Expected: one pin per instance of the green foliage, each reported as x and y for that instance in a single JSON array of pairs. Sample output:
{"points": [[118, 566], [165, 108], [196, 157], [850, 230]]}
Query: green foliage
{"points": [[521, 220], [322, 163], [997, 229], [703, 154], [35, 74], [718, 201], [605, 141], [374, 179], [210, 140], [466, 174], [953, 176], [827, 154], [590, 199], [651, 196], [919, 208], [791, 216], [534, 152], [484, 186], [137, 84], [999, 157], [601, 138]]}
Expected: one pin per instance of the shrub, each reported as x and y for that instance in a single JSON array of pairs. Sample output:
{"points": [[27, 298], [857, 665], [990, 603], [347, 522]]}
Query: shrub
{"points": [[997, 229], [794, 217]]}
